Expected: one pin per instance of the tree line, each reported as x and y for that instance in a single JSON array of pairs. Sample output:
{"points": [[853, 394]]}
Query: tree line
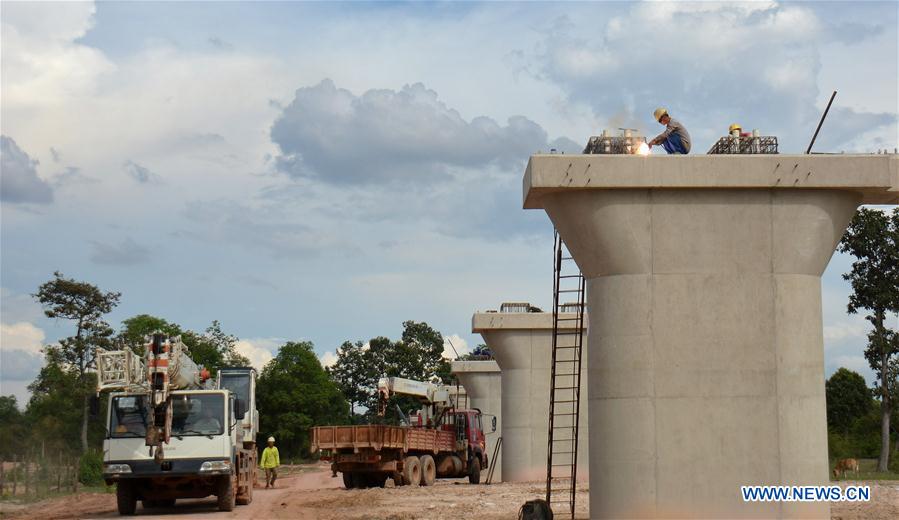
{"points": [[294, 391]]}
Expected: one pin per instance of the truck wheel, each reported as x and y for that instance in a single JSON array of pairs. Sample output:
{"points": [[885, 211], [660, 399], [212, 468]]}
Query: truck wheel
{"points": [[169, 502], [474, 471], [126, 498], [428, 470], [348, 480], [226, 495], [412, 471]]}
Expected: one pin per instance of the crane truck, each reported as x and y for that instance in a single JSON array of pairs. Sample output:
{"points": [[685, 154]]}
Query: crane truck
{"points": [[172, 432], [438, 441]]}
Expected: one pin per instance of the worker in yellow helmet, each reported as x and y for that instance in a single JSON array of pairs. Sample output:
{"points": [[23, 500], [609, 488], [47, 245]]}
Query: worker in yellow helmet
{"points": [[270, 462], [675, 139], [739, 129]]}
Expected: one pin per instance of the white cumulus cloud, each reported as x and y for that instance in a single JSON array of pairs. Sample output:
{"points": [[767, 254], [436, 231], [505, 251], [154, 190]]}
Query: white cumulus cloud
{"points": [[328, 359], [457, 341], [258, 350], [21, 336]]}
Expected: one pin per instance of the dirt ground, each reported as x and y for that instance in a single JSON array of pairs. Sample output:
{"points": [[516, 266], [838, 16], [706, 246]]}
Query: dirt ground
{"points": [[314, 495]]}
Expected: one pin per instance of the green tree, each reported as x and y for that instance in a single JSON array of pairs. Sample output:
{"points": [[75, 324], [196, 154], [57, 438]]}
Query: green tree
{"points": [[135, 330], [417, 355], [352, 374], [12, 428], [85, 304], [848, 398], [213, 349], [293, 394], [54, 411], [873, 239]]}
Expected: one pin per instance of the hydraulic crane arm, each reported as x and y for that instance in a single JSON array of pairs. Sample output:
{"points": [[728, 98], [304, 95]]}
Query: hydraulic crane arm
{"points": [[428, 394]]}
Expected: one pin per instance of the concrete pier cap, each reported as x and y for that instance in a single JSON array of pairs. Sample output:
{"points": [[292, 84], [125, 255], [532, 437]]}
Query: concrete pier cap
{"points": [[483, 383], [706, 366], [521, 342]]}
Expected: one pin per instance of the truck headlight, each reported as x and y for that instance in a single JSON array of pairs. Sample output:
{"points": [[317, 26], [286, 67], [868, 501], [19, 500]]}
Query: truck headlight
{"points": [[216, 465], [116, 468]]}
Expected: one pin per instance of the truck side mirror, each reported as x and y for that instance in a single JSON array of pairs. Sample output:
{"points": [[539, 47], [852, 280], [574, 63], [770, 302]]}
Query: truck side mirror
{"points": [[238, 408], [493, 424], [94, 405]]}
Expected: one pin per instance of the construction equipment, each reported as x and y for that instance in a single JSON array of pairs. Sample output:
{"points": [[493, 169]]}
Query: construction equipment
{"points": [[628, 143], [565, 381], [821, 122], [741, 144], [442, 441], [201, 436]]}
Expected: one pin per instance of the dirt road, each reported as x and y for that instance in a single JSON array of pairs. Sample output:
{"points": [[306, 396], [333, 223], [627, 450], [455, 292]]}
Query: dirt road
{"points": [[314, 495]]}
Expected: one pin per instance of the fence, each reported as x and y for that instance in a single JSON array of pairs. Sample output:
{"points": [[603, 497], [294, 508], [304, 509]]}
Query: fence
{"points": [[33, 475]]}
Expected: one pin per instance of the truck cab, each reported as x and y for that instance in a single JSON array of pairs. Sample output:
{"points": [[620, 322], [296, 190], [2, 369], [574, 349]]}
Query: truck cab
{"points": [[241, 382], [199, 457], [470, 438]]}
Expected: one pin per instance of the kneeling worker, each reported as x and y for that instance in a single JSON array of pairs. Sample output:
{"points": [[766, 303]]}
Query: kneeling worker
{"points": [[270, 462], [675, 138]]}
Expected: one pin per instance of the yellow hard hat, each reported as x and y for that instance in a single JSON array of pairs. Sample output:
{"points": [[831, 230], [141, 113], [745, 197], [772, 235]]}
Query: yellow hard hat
{"points": [[735, 126], [661, 111]]}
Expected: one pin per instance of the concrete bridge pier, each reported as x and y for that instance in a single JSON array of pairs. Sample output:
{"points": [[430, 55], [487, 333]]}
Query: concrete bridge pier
{"points": [[706, 366]]}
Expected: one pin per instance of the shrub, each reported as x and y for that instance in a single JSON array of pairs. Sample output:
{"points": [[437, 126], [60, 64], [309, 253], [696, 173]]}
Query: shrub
{"points": [[90, 468]]}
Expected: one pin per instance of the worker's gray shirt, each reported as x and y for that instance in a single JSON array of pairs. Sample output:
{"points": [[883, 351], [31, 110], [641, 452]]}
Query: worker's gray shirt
{"points": [[674, 127]]}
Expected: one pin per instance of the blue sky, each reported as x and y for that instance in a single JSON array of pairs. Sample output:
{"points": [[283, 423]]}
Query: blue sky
{"points": [[325, 171]]}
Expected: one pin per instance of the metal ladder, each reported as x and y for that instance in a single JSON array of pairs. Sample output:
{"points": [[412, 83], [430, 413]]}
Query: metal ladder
{"points": [[565, 381]]}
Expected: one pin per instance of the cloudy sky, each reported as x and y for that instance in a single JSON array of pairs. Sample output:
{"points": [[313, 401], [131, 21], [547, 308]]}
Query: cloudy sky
{"points": [[327, 171]]}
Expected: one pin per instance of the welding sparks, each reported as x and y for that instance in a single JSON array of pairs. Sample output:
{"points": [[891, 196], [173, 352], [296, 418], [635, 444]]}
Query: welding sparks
{"points": [[643, 149]]}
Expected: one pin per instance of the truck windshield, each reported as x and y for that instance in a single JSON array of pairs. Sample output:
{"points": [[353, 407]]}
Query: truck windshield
{"points": [[197, 414], [239, 385], [128, 417]]}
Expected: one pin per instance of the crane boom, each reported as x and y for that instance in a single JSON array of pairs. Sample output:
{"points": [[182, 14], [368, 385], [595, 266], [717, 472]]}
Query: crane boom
{"points": [[167, 366]]}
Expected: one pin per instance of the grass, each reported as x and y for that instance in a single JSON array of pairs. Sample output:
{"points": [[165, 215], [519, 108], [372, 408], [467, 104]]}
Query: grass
{"points": [[867, 470]]}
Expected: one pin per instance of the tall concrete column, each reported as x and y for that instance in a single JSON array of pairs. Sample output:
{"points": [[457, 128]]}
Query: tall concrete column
{"points": [[522, 346], [483, 383], [706, 365]]}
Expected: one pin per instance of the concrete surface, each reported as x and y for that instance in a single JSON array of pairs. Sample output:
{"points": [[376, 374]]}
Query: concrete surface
{"points": [[706, 363], [483, 383], [522, 346]]}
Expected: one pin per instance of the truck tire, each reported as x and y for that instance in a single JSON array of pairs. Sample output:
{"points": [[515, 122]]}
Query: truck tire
{"points": [[226, 495], [412, 471], [348, 480], [474, 470], [397, 479], [126, 497], [428, 470]]}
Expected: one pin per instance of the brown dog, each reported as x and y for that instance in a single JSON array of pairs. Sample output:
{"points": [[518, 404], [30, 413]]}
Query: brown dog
{"points": [[845, 465]]}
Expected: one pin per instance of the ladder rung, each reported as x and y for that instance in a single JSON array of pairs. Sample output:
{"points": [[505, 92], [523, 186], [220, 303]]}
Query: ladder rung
{"points": [[567, 360], [561, 414], [569, 290], [571, 276], [566, 401], [567, 319]]}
